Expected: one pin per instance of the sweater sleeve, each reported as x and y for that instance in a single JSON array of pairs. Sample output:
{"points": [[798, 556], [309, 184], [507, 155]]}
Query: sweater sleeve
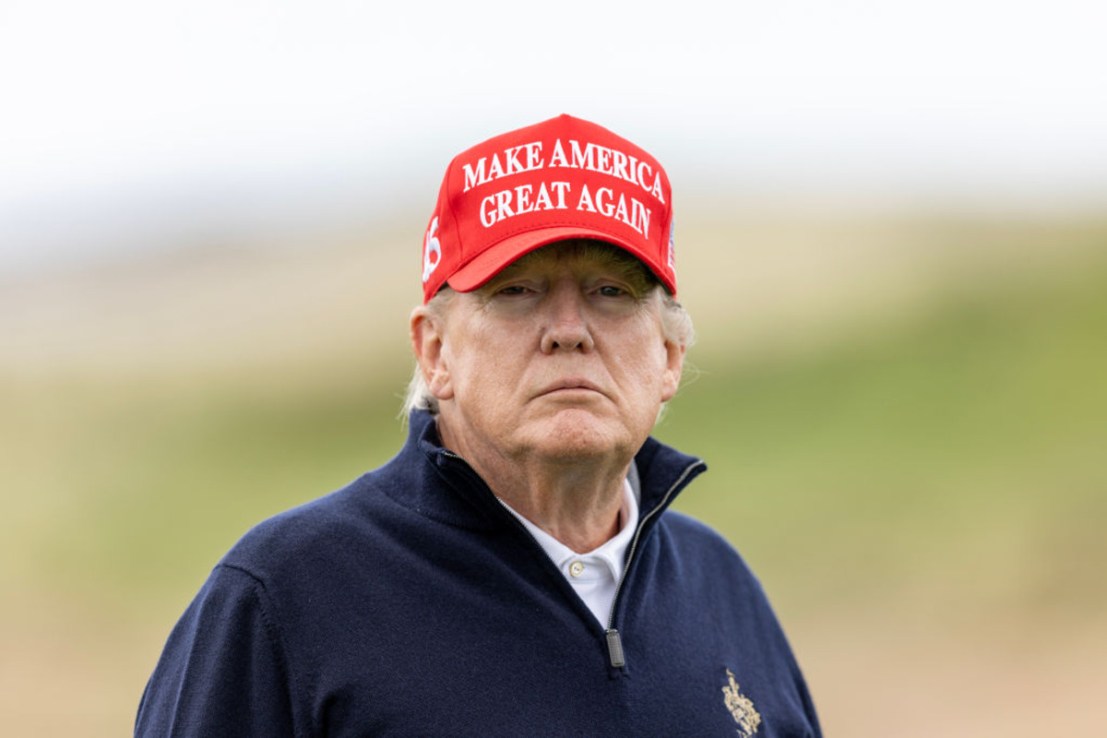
{"points": [[223, 671]]}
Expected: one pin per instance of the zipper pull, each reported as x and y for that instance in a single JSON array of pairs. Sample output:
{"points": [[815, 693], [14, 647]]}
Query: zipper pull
{"points": [[615, 648]]}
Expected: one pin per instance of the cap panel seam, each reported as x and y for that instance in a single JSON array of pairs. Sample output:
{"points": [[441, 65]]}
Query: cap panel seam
{"points": [[450, 206]]}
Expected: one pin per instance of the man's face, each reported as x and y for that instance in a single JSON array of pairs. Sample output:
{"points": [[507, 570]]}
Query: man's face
{"points": [[561, 357]]}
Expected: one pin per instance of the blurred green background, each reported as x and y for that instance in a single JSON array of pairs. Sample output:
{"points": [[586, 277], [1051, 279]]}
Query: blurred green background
{"points": [[904, 416], [892, 236]]}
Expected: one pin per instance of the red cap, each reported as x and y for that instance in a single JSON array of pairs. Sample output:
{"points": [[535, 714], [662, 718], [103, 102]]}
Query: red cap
{"points": [[562, 178]]}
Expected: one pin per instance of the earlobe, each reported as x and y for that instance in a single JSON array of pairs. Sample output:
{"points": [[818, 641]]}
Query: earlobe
{"points": [[427, 344]]}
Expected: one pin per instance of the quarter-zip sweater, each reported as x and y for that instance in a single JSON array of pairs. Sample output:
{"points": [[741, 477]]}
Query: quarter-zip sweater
{"points": [[412, 603]]}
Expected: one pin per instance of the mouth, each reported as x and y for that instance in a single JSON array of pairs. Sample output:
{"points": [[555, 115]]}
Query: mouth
{"points": [[570, 385]]}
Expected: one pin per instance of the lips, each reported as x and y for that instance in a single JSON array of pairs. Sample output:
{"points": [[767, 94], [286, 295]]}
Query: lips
{"points": [[570, 383]]}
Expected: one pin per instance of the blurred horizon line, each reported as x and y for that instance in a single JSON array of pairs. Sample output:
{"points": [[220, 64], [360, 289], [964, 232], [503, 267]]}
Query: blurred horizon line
{"points": [[42, 237]]}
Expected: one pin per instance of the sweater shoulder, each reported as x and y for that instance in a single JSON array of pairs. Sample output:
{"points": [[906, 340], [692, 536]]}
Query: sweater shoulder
{"points": [[695, 532], [699, 541], [298, 536]]}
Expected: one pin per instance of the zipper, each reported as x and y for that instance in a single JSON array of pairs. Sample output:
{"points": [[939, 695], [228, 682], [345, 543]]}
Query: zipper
{"points": [[614, 639]]}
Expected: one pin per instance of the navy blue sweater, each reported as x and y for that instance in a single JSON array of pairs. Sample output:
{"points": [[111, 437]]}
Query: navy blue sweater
{"points": [[412, 603]]}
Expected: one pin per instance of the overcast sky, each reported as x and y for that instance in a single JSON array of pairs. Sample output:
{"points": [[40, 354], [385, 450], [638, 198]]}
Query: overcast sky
{"points": [[136, 113]]}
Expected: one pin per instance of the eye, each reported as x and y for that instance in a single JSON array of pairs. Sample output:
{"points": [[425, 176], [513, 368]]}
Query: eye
{"points": [[611, 290], [512, 289]]}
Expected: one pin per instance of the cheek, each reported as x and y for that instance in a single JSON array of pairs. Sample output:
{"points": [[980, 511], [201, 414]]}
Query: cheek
{"points": [[647, 347], [484, 379], [643, 365]]}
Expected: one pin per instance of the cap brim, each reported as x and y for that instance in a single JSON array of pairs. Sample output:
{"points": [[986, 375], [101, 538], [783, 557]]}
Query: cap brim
{"points": [[488, 264]]}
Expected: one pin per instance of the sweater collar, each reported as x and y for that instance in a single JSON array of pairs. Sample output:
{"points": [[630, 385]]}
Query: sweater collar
{"points": [[449, 490]]}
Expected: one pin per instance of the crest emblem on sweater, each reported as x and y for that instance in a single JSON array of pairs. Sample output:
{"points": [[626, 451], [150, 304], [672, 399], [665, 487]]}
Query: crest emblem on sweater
{"points": [[741, 708]]}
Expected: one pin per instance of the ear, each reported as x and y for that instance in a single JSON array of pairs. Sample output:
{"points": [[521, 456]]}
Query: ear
{"points": [[674, 366], [426, 342]]}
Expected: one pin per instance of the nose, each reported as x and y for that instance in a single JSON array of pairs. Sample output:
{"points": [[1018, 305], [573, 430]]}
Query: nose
{"points": [[565, 327]]}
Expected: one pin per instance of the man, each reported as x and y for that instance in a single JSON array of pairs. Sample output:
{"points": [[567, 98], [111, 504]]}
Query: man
{"points": [[514, 571]]}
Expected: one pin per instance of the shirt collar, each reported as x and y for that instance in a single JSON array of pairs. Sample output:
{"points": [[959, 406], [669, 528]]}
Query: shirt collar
{"points": [[612, 553]]}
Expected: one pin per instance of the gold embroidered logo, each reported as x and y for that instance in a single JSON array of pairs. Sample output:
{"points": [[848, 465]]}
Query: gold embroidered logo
{"points": [[741, 708]]}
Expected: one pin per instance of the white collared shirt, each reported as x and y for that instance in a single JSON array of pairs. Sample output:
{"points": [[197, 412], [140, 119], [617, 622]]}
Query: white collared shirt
{"points": [[594, 575]]}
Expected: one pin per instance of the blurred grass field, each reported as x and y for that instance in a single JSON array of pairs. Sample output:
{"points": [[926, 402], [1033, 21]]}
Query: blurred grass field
{"points": [[904, 419]]}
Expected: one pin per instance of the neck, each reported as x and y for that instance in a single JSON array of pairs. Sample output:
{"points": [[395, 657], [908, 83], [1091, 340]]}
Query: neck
{"points": [[577, 502]]}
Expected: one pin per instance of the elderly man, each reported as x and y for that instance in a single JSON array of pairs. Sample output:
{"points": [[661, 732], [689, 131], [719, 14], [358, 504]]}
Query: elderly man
{"points": [[514, 571]]}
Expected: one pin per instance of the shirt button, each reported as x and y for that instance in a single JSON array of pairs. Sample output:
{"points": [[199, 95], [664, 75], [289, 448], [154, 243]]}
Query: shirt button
{"points": [[576, 568]]}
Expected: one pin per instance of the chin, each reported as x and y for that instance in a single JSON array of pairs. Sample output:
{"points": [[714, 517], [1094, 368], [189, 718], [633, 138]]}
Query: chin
{"points": [[575, 435]]}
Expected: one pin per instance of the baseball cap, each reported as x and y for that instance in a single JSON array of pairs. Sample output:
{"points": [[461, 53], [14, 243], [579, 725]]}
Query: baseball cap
{"points": [[559, 179]]}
